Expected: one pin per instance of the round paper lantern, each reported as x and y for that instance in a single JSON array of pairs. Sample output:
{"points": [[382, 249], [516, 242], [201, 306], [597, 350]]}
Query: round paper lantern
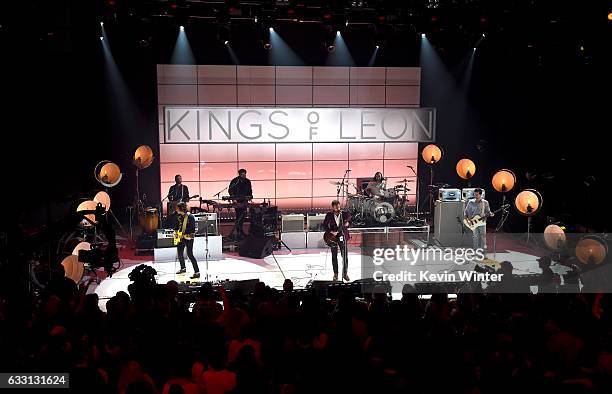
{"points": [[503, 180], [591, 250], [432, 154], [466, 168], [554, 236], [73, 269], [88, 205], [107, 173], [528, 202], [103, 198], [81, 246], [143, 156]]}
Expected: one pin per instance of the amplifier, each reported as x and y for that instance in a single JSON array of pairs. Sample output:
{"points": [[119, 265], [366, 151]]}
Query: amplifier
{"points": [[165, 238], [293, 223], [315, 222], [449, 195], [448, 224], [468, 193], [206, 220]]}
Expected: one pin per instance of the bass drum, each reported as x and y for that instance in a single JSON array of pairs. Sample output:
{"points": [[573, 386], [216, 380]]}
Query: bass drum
{"points": [[354, 203], [377, 211]]}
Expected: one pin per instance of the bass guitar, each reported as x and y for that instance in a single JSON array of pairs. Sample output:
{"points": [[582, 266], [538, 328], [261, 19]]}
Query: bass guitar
{"points": [[479, 221]]}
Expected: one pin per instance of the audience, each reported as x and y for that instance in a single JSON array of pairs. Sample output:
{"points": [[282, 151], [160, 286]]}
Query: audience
{"points": [[270, 341]]}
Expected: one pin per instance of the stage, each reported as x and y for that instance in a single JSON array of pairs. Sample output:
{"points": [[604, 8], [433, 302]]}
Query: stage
{"points": [[302, 267]]}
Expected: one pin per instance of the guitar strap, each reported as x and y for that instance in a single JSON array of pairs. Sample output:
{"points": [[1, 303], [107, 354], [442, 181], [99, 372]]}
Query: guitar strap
{"points": [[184, 227]]}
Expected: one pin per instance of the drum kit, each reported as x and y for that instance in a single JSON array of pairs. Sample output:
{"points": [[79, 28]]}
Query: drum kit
{"points": [[388, 204]]}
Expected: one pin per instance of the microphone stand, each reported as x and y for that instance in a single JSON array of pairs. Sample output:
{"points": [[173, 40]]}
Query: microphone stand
{"points": [[221, 191], [504, 216], [417, 191]]}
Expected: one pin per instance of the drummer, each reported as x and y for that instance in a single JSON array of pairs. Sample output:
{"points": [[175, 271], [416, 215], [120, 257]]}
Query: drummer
{"points": [[376, 186]]}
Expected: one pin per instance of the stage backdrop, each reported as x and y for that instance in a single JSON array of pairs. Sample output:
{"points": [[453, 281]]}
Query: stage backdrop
{"points": [[282, 162]]}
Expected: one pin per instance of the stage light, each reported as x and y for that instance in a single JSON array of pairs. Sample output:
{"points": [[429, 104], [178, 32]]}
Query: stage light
{"points": [[267, 46], [182, 28], [422, 35], [331, 48], [88, 205], [255, 20], [503, 180], [346, 23], [465, 168], [101, 23], [73, 268], [143, 157], [337, 32], [483, 35], [107, 173], [591, 249], [271, 29], [103, 198], [610, 16], [554, 236], [432, 154], [474, 49], [226, 42], [377, 47], [528, 202]]}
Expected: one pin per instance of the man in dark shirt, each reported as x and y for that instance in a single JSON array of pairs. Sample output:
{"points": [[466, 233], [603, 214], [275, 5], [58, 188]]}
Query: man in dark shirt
{"points": [[186, 224], [338, 221], [240, 189], [177, 193]]}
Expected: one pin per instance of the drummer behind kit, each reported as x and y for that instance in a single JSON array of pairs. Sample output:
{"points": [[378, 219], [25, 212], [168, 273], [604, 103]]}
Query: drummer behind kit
{"points": [[379, 204]]}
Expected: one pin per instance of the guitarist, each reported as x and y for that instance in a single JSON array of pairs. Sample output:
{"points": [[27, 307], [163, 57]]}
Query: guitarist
{"points": [[478, 206], [186, 229], [337, 222]]}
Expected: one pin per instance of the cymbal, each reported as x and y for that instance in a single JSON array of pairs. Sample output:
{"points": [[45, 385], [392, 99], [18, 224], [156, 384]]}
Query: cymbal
{"points": [[401, 189], [405, 180], [336, 183]]}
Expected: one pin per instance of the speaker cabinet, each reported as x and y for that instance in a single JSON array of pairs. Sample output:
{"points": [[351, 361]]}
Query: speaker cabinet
{"points": [[293, 223], [256, 247], [448, 224], [315, 222], [206, 220]]}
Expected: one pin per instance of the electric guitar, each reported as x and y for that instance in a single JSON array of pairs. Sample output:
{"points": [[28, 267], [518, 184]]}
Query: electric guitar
{"points": [[479, 221], [180, 234]]}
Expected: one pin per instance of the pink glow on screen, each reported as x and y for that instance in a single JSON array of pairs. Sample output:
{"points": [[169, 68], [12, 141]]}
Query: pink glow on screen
{"points": [[258, 170], [294, 170], [256, 152], [262, 189], [323, 187], [330, 169], [301, 188], [218, 153], [208, 189], [293, 203], [365, 151], [401, 150], [218, 171], [178, 153], [293, 152], [397, 168], [365, 168], [331, 151], [188, 171]]}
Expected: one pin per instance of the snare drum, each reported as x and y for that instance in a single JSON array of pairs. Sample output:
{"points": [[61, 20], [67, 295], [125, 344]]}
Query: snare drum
{"points": [[377, 211], [149, 220]]}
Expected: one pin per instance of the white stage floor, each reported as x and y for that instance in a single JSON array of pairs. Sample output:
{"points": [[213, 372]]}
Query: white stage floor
{"points": [[300, 266]]}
